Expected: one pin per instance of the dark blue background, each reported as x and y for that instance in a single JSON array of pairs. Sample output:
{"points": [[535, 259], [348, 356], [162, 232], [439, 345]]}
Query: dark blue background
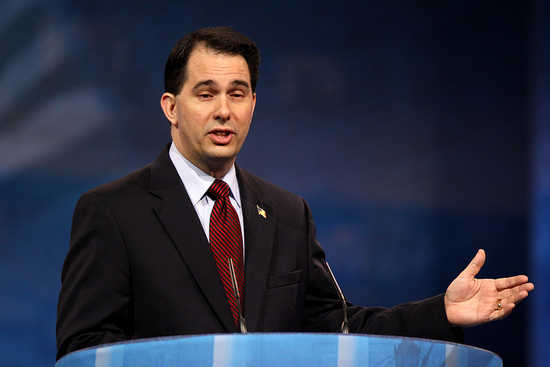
{"points": [[417, 132]]}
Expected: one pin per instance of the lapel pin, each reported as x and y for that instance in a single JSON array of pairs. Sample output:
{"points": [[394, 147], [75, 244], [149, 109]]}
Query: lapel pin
{"points": [[261, 211]]}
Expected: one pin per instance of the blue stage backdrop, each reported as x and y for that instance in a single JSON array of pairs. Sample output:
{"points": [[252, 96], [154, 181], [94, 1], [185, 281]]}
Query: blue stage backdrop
{"points": [[409, 130], [540, 209]]}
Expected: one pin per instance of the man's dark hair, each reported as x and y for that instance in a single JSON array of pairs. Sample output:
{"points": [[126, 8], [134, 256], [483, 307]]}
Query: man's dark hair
{"points": [[224, 40]]}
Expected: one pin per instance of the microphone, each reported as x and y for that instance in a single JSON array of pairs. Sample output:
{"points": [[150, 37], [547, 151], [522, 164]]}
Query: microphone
{"points": [[234, 284], [344, 328]]}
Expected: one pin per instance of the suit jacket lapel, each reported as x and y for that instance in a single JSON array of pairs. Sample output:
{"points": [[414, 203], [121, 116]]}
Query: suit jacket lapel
{"points": [[259, 234], [180, 220]]}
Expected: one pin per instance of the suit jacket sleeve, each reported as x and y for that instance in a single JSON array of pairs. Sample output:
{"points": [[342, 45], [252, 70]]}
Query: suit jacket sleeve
{"points": [[94, 299], [323, 309]]}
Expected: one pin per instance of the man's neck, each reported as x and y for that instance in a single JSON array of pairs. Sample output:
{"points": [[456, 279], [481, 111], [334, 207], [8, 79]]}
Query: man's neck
{"points": [[218, 173]]}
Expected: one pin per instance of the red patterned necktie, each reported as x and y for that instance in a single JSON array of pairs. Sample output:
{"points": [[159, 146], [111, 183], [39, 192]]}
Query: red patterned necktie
{"points": [[226, 242]]}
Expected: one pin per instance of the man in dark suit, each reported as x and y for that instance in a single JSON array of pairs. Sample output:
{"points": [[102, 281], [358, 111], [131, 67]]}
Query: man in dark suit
{"points": [[192, 244]]}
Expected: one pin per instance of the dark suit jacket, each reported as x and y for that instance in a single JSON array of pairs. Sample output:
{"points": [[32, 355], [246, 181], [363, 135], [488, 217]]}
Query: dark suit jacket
{"points": [[140, 266]]}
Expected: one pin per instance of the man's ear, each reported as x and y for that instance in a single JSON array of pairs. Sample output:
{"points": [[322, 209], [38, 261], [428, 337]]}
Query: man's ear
{"points": [[253, 102], [168, 105]]}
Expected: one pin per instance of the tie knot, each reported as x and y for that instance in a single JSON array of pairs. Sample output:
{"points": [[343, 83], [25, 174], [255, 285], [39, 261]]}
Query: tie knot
{"points": [[218, 189]]}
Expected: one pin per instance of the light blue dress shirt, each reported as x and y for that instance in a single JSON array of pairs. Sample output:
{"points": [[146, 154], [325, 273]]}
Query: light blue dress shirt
{"points": [[196, 184]]}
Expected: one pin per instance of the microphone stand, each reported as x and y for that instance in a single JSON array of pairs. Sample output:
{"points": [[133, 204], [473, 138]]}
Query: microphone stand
{"points": [[234, 284], [344, 328]]}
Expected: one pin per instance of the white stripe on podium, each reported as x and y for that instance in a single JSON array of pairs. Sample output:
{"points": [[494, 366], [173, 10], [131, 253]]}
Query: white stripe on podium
{"points": [[453, 356], [346, 351], [222, 353], [109, 357]]}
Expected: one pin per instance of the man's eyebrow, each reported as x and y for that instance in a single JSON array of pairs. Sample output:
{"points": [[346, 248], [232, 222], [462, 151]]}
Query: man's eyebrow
{"points": [[211, 83], [240, 82], [207, 83]]}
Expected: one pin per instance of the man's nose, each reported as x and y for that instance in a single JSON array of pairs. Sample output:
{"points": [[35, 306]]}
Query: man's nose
{"points": [[222, 113]]}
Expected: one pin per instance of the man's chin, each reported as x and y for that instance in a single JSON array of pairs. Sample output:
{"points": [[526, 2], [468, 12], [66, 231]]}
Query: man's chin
{"points": [[221, 158], [221, 153]]}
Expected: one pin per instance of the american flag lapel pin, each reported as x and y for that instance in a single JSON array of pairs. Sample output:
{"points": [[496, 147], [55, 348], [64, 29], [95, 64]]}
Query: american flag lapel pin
{"points": [[261, 211]]}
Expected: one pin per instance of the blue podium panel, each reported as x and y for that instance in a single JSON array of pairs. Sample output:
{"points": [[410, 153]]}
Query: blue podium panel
{"points": [[274, 350]]}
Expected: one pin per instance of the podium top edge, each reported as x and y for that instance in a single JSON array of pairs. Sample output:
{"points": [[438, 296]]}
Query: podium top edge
{"points": [[322, 335]]}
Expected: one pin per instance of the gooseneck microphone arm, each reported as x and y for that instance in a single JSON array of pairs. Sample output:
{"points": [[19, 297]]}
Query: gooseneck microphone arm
{"points": [[234, 284], [344, 328]]}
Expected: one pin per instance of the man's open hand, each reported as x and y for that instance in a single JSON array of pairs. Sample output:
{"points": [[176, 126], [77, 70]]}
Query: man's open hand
{"points": [[470, 301]]}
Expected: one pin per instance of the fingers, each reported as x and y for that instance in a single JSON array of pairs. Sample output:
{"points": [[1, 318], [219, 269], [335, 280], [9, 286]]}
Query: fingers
{"points": [[516, 297], [509, 298], [475, 265], [507, 283], [516, 294]]}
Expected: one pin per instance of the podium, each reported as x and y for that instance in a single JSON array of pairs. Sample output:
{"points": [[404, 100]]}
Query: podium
{"points": [[281, 349]]}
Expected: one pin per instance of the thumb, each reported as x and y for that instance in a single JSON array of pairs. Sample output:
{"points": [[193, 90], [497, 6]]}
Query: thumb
{"points": [[475, 265]]}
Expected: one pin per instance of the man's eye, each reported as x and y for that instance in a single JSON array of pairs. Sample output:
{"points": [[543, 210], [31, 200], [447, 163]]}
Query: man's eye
{"points": [[205, 95]]}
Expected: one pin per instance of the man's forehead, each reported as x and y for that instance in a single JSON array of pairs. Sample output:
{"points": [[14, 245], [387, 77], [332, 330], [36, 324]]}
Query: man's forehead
{"points": [[207, 63]]}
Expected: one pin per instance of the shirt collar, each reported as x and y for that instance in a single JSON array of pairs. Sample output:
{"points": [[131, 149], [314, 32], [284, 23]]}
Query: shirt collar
{"points": [[197, 182]]}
